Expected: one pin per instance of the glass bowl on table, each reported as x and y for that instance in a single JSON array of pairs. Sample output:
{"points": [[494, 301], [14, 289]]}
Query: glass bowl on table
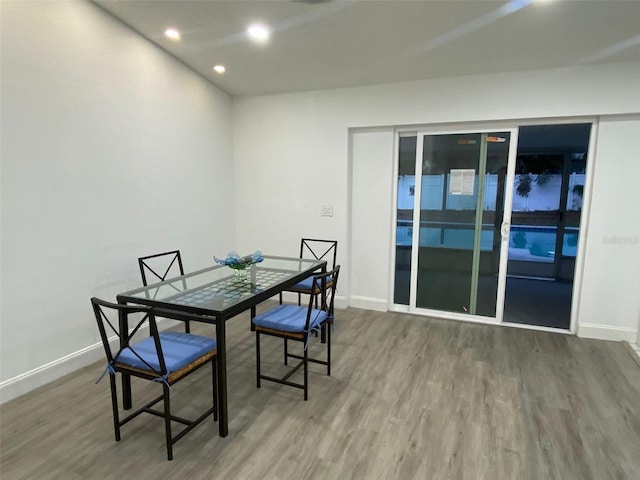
{"points": [[240, 264]]}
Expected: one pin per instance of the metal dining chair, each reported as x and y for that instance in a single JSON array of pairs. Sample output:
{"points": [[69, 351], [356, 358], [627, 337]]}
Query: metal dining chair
{"points": [[319, 250], [164, 358], [298, 323]]}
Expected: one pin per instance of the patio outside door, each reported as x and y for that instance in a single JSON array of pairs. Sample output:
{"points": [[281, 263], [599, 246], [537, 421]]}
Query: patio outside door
{"points": [[452, 188], [546, 211]]}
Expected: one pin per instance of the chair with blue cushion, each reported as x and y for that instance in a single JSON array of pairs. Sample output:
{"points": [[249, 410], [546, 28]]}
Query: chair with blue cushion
{"points": [[298, 323], [314, 249], [159, 267], [165, 357]]}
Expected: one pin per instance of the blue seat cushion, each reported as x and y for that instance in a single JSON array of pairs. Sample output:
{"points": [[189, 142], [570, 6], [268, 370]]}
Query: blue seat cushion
{"points": [[289, 318], [179, 350], [304, 284], [307, 283]]}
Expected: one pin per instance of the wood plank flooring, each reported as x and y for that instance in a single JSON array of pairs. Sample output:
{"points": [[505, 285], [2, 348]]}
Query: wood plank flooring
{"points": [[408, 398]]}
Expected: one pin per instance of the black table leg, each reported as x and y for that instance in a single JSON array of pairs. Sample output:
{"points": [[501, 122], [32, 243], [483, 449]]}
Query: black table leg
{"points": [[323, 330], [222, 377], [253, 314]]}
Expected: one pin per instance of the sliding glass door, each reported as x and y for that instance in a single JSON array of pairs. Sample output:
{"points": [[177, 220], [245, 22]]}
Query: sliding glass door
{"points": [[487, 222], [449, 235]]}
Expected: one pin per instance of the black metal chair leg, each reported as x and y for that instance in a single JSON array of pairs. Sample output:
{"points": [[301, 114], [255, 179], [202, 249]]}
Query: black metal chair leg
{"points": [[286, 351], [167, 420], [114, 405], [306, 373], [328, 327], [214, 377], [258, 359]]}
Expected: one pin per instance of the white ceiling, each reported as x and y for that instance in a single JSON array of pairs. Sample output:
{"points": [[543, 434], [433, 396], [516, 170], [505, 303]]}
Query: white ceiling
{"points": [[326, 44]]}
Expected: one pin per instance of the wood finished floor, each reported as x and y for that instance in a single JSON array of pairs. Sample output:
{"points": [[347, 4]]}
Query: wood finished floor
{"points": [[409, 398]]}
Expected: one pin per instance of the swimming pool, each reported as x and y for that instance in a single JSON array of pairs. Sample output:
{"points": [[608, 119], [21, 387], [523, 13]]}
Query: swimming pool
{"points": [[539, 242]]}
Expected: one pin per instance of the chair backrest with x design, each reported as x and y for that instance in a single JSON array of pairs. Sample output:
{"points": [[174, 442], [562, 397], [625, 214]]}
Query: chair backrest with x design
{"points": [[127, 339], [320, 250], [159, 267]]}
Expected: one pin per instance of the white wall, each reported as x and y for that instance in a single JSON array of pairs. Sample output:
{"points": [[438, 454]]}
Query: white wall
{"points": [[610, 299], [298, 144], [370, 238], [111, 150]]}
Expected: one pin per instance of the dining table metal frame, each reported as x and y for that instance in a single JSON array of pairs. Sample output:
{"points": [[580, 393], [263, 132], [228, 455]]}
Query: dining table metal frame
{"points": [[215, 295]]}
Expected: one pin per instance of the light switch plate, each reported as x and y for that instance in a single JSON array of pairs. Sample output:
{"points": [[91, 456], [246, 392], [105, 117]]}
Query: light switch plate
{"points": [[326, 210]]}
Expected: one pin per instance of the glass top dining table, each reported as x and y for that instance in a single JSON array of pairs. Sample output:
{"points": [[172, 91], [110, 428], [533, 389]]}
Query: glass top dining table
{"points": [[214, 295]]}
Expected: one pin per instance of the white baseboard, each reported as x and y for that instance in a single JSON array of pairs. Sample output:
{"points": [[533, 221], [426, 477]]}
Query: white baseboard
{"points": [[25, 382], [368, 303], [341, 302], [607, 332]]}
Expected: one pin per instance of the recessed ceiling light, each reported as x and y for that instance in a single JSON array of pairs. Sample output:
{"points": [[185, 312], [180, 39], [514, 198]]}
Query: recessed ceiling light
{"points": [[258, 32], [220, 69], [172, 34]]}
